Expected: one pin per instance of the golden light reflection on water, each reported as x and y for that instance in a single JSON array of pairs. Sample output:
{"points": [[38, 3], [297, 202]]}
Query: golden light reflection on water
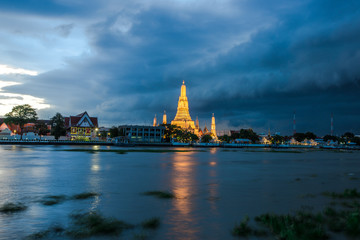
{"points": [[213, 186], [95, 163], [213, 150], [183, 182], [96, 147], [94, 179], [95, 203]]}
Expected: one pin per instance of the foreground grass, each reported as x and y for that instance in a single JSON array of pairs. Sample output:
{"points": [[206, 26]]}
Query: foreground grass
{"points": [[299, 226], [51, 232], [160, 194], [151, 223], [140, 236], [12, 207], [50, 200], [347, 194], [93, 223], [53, 199], [84, 195], [305, 225], [242, 229]]}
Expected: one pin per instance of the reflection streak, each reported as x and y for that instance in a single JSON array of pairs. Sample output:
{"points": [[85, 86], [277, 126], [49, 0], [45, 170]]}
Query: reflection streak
{"points": [[183, 182]]}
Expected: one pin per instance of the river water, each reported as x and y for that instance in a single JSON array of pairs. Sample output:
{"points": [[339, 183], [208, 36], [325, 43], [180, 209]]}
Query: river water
{"points": [[214, 188]]}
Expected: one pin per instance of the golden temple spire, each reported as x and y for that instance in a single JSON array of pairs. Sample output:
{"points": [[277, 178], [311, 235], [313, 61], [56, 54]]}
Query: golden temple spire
{"points": [[183, 90], [155, 121], [182, 117], [213, 127], [164, 118]]}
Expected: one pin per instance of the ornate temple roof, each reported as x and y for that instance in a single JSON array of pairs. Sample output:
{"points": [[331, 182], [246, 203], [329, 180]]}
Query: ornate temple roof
{"points": [[77, 120]]}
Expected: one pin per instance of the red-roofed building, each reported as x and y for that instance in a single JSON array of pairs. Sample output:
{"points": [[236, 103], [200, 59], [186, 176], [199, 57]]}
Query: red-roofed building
{"points": [[15, 129], [81, 125]]}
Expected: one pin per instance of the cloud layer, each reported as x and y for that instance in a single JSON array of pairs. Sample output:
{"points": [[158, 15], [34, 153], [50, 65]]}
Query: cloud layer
{"points": [[252, 63]]}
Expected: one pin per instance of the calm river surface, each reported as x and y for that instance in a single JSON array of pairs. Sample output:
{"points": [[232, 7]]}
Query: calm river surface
{"points": [[214, 188]]}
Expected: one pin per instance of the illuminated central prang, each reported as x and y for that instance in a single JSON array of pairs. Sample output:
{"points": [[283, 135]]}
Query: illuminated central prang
{"points": [[182, 118]]}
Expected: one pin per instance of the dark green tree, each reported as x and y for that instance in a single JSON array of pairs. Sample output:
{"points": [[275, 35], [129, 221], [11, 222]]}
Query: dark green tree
{"points": [[193, 137], [277, 139], [329, 137], [114, 132], [225, 138], [171, 131], [103, 134], [249, 134], [206, 138], [348, 135], [58, 126], [299, 137], [41, 128], [310, 135], [356, 140], [20, 115], [235, 135]]}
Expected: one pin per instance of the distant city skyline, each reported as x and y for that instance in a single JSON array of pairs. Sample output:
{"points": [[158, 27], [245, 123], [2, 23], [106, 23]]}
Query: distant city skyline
{"points": [[252, 63]]}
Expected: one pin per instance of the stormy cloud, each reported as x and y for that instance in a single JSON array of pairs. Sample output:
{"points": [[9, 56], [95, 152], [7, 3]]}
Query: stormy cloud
{"points": [[252, 63]]}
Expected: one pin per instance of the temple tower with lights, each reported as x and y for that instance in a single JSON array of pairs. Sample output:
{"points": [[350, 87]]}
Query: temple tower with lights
{"points": [[213, 127], [155, 121], [164, 118], [182, 118]]}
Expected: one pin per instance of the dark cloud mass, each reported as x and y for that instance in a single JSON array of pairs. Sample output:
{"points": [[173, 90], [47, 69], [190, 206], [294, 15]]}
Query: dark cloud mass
{"points": [[252, 63]]}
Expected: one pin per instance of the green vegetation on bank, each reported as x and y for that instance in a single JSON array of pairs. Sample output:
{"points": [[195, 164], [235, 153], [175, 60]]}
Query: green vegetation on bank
{"points": [[299, 226], [53, 199], [242, 133], [140, 236], [53, 231], [151, 223], [20, 115], [93, 223], [12, 207], [305, 225], [58, 126], [242, 229], [85, 195], [348, 193], [50, 200], [160, 194], [86, 224]]}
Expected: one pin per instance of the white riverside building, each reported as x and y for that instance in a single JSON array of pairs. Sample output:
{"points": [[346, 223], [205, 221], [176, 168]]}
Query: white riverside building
{"points": [[142, 134]]}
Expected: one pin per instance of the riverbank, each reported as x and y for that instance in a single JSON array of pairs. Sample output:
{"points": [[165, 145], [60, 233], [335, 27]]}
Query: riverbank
{"points": [[41, 142], [175, 144]]}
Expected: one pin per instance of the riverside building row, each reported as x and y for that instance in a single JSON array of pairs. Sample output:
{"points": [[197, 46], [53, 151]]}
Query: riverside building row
{"points": [[85, 127]]}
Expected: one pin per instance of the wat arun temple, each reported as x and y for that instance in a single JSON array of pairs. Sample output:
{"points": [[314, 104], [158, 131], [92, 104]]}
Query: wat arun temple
{"points": [[183, 118]]}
